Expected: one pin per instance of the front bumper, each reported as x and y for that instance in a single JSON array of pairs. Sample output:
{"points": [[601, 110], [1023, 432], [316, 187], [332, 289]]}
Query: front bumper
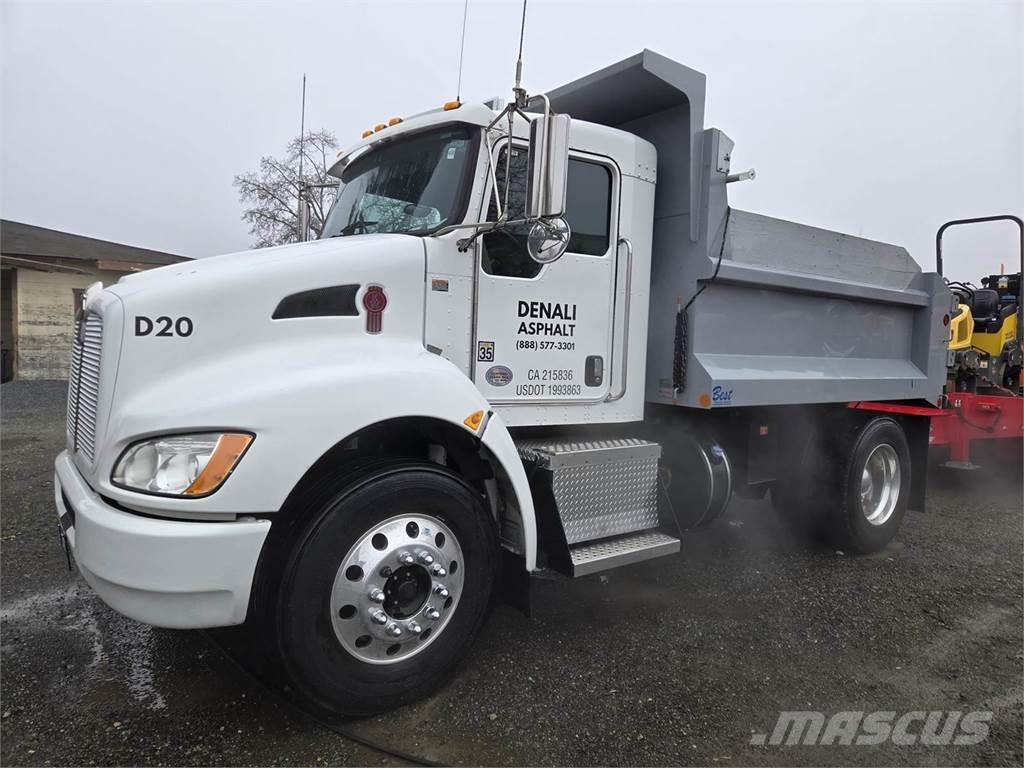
{"points": [[168, 573]]}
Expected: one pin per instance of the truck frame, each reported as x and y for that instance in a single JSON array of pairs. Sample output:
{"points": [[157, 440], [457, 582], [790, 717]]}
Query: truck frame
{"points": [[523, 344]]}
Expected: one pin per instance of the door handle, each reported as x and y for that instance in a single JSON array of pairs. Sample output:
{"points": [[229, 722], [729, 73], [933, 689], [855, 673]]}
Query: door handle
{"points": [[625, 320]]}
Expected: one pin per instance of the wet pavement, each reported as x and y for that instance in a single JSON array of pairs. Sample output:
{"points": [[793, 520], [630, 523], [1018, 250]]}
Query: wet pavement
{"points": [[676, 661]]}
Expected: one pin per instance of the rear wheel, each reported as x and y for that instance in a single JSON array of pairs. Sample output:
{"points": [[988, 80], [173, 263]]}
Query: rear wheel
{"points": [[871, 498], [385, 589], [849, 484]]}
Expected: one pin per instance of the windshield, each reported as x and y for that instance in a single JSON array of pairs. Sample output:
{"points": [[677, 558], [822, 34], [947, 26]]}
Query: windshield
{"points": [[414, 185]]}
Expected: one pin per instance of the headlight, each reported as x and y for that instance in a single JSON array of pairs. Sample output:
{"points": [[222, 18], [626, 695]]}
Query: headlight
{"points": [[180, 465]]}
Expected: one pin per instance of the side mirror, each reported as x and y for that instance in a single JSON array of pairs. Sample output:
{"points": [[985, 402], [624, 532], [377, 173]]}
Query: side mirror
{"points": [[548, 240], [549, 167]]}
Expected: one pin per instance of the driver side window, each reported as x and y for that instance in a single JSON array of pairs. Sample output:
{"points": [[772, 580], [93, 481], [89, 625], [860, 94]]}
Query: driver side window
{"points": [[587, 209]]}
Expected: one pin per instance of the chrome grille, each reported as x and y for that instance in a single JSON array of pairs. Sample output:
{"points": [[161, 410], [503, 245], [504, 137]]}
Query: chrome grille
{"points": [[84, 383], [73, 374]]}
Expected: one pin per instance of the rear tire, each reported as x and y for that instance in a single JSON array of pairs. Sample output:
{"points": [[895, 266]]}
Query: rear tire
{"points": [[871, 497], [332, 648], [824, 481]]}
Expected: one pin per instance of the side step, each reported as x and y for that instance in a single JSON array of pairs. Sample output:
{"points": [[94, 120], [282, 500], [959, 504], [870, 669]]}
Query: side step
{"points": [[622, 550]]}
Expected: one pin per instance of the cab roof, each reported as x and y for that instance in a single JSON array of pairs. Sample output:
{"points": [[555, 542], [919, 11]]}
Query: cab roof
{"points": [[472, 114]]}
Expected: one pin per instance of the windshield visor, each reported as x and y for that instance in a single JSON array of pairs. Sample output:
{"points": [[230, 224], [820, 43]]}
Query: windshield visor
{"points": [[414, 185]]}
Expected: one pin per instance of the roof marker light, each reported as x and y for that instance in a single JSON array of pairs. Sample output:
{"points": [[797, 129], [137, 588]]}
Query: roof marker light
{"points": [[448, 105], [367, 132], [394, 121], [379, 127]]}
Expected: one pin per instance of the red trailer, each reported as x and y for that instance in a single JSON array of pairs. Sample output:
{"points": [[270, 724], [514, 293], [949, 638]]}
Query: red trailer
{"points": [[970, 417], [963, 418], [983, 398]]}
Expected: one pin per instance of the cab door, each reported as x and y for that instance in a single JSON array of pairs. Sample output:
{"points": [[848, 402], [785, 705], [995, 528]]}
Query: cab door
{"points": [[544, 332]]}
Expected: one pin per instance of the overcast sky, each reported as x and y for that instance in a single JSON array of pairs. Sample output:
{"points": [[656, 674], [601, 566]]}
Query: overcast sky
{"points": [[127, 120]]}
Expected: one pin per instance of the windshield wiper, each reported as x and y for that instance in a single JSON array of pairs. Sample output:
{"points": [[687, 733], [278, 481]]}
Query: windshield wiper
{"points": [[359, 223]]}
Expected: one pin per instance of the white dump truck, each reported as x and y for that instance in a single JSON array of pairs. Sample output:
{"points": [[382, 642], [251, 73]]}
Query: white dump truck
{"points": [[530, 338]]}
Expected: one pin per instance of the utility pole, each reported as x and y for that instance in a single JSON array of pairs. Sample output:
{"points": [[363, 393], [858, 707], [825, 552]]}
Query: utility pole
{"points": [[303, 203]]}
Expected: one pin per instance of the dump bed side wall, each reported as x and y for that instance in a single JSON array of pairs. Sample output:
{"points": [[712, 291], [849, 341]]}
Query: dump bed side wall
{"points": [[792, 314]]}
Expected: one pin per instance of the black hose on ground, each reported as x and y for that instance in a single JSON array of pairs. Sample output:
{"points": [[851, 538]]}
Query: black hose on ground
{"points": [[297, 710]]}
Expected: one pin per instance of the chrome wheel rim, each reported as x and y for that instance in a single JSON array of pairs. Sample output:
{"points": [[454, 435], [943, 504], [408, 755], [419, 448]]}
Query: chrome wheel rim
{"points": [[397, 589], [880, 484]]}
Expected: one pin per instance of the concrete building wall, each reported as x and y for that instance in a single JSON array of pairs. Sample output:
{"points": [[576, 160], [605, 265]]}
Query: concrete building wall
{"points": [[45, 319]]}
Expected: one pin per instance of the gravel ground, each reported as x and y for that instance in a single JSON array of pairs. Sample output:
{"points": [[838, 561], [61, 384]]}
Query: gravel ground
{"points": [[676, 661]]}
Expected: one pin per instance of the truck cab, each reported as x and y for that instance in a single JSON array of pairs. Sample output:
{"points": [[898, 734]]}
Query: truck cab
{"points": [[528, 334], [523, 343]]}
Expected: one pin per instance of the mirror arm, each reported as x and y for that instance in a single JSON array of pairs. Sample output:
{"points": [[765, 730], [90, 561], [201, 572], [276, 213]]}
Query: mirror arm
{"points": [[508, 155], [465, 243], [493, 171], [482, 227]]}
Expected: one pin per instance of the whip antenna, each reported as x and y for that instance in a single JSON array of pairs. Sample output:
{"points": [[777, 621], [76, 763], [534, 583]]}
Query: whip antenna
{"points": [[519, 60], [302, 127], [462, 51]]}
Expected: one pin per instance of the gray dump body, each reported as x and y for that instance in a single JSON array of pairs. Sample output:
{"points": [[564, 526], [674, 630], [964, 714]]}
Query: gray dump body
{"points": [[795, 314]]}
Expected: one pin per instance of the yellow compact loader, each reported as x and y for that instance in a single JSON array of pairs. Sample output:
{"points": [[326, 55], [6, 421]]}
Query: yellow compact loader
{"points": [[985, 325]]}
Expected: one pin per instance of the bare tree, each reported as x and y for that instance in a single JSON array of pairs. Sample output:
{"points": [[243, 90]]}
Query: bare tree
{"points": [[270, 196]]}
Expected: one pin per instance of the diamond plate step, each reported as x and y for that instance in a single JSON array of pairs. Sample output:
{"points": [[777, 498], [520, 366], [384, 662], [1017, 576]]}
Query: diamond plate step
{"points": [[622, 550], [600, 488]]}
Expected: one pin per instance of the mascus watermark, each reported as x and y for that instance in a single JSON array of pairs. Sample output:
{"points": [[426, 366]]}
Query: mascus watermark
{"points": [[938, 728]]}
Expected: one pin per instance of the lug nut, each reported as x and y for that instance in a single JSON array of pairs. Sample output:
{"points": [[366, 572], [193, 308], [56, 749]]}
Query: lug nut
{"points": [[441, 590], [426, 558], [415, 628], [376, 595], [406, 559], [379, 617], [437, 570], [432, 613], [394, 630], [385, 572]]}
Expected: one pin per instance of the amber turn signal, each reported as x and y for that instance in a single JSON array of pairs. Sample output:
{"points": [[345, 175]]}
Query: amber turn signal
{"points": [[474, 420], [227, 453]]}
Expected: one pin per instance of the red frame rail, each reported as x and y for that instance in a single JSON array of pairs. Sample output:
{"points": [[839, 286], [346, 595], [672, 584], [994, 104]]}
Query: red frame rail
{"points": [[963, 418]]}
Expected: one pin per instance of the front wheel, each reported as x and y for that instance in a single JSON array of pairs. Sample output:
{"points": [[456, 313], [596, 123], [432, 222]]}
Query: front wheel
{"points": [[385, 590]]}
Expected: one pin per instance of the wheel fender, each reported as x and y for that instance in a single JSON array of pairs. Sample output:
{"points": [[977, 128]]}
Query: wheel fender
{"points": [[499, 442], [431, 387]]}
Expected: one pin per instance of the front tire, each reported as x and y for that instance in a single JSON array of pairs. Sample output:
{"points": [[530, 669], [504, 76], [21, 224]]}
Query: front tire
{"points": [[385, 589]]}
